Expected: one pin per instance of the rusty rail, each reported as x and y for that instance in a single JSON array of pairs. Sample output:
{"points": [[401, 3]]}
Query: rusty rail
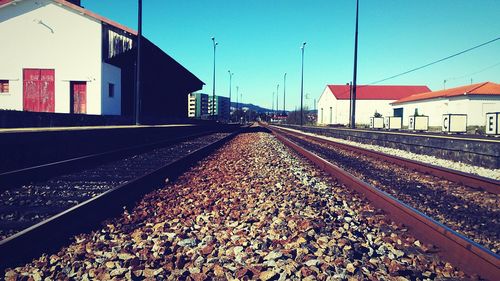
{"points": [[51, 234], [470, 180], [454, 247]]}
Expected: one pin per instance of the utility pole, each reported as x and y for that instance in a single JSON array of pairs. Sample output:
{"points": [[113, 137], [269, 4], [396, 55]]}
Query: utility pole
{"points": [[277, 95], [350, 102], [353, 117], [302, 87], [272, 106], [138, 66], [230, 78], [213, 90], [284, 93]]}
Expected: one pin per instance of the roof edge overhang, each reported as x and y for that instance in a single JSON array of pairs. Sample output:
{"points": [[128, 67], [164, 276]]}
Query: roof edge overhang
{"points": [[79, 10]]}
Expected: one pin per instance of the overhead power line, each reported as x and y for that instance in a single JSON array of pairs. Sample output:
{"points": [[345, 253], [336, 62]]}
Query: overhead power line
{"points": [[434, 62], [473, 73]]}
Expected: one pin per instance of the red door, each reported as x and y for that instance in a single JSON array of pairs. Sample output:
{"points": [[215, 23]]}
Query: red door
{"points": [[79, 97], [38, 90]]}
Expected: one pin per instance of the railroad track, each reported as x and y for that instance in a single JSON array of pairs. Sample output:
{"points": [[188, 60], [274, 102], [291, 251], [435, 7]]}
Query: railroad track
{"points": [[252, 210], [44, 207], [453, 246]]}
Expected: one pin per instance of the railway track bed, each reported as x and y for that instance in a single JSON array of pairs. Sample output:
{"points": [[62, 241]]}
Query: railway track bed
{"points": [[252, 210], [31, 203], [472, 212]]}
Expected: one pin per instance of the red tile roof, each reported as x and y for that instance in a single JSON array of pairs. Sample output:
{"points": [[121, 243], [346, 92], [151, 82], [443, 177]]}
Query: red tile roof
{"points": [[82, 11], [485, 88], [364, 92]]}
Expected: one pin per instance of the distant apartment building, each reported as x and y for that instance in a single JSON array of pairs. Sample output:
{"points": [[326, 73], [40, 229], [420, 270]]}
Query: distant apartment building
{"points": [[198, 105], [222, 107]]}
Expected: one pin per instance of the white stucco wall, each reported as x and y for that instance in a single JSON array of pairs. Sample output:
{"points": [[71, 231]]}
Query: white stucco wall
{"points": [[326, 101], [475, 107], [340, 109], [42, 34], [111, 105]]}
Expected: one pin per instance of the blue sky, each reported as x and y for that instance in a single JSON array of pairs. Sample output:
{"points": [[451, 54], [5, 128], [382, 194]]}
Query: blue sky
{"points": [[259, 40]]}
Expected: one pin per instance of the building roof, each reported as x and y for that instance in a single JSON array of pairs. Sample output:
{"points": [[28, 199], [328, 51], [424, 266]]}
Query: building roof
{"points": [[80, 10], [365, 92], [484, 88]]}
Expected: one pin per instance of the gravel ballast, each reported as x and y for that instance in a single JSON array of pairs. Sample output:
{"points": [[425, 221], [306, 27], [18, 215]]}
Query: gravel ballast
{"points": [[454, 165], [251, 211], [26, 205]]}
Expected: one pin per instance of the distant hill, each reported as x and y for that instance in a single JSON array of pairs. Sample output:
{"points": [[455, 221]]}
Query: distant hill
{"points": [[250, 106]]}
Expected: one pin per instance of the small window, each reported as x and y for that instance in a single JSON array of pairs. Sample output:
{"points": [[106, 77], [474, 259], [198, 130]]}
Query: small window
{"points": [[4, 86], [111, 90]]}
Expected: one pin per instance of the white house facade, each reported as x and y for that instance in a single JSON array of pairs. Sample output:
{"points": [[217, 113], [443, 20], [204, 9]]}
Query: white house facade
{"points": [[51, 59], [333, 104], [473, 100]]}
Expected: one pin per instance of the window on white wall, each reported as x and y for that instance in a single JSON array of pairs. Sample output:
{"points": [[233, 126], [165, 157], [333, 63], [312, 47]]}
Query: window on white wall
{"points": [[4, 86], [111, 90]]}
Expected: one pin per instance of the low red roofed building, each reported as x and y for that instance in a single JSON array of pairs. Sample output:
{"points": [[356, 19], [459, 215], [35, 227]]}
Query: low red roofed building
{"points": [[474, 100], [333, 104]]}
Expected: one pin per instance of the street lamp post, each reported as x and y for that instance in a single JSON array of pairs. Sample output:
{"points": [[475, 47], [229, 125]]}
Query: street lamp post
{"points": [[230, 78], [237, 100], [302, 87], [138, 66], [277, 95], [284, 93], [272, 107], [213, 90]]}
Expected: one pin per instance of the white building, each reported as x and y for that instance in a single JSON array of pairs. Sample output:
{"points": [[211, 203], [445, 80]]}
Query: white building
{"points": [[474, 100], [333, 104], [52, 58]]}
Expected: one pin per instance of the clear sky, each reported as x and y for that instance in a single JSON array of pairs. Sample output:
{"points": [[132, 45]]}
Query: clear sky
{"points": [[259, 40]]}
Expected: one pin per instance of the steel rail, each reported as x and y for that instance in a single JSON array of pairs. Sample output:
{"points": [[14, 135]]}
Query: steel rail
{"points": [[470, 180], [454, 247], [49, 235]]}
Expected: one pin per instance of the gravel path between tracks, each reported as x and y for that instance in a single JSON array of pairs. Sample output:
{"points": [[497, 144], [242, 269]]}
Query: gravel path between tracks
{"points": [[471, 212], [459, 166], [252, 210], [24, 206]]}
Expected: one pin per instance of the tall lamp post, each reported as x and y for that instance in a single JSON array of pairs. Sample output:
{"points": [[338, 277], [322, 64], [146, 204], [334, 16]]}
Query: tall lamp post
{"points": [[302, 87], [230, 78], [237, 100], [272, 108], [138, 66], [353, 117], [277, 95], [284, 93], [213, 90]]}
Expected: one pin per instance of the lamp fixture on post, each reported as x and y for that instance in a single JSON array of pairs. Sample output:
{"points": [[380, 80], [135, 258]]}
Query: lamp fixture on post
{"points": [[302, 87], [213, 90]]}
